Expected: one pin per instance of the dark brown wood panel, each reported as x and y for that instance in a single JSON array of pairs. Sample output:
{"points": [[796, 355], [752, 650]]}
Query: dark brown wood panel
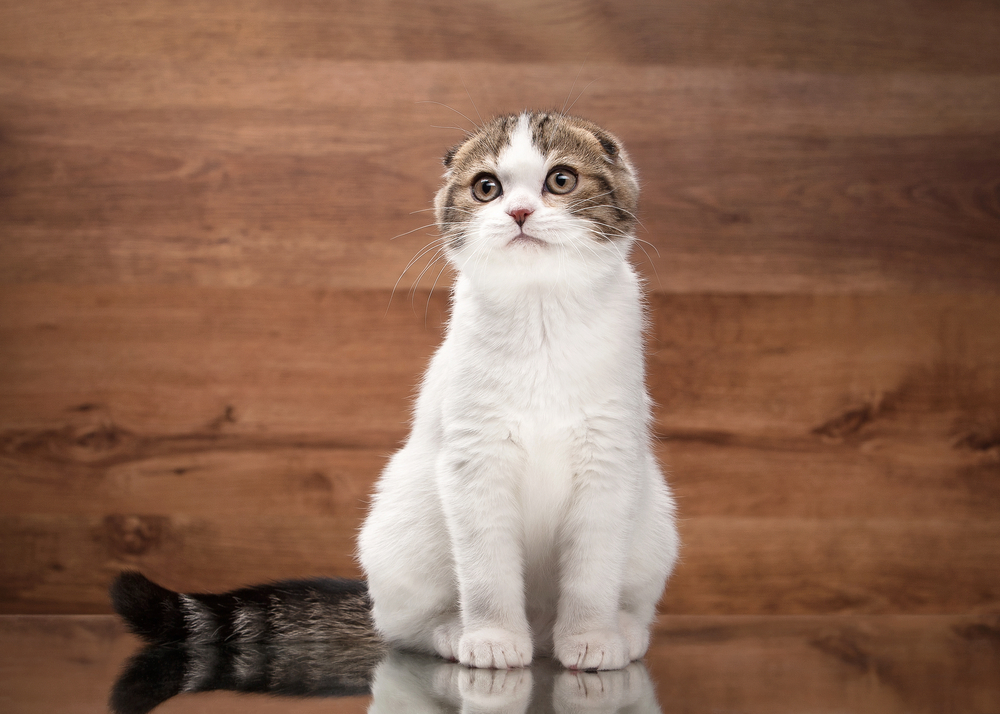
{"points": [[837, 367], [799, 478], [849, 36], [729, 565], [853, 435], [800, 566], [65, 564], [202, 370], [341, 365], [247, 176], [109, 369], [246, 478], [251, 477]]}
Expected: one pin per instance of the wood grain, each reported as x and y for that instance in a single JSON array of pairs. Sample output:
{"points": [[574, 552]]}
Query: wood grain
{"points": [[203, 365], [251, 458], [850, 36], [790, 566], [341, 365], [853, 368], [64, 563], [246, 176], [331, 367]]}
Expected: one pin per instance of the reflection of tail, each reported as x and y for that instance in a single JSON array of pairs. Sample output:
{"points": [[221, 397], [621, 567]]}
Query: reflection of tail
{"points": [[320, 609], [292, 638], [290, 669]]}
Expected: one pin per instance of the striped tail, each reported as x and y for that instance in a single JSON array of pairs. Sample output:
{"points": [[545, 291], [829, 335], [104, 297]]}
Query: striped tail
{"points": [[319, 609]]}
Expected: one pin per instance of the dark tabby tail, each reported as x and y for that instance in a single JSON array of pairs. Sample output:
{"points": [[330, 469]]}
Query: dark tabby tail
{"points": [[320, 609]]}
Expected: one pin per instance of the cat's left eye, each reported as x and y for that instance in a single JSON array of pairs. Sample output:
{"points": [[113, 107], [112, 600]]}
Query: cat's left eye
{"points": [[560, 181], [486, 187]]}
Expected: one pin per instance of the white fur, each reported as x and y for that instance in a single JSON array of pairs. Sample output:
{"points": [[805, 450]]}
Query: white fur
{"points": [[526, 512], [416, 684]]}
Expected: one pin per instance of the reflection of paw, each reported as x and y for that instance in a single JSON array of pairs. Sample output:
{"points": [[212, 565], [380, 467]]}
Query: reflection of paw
{"points": [[581, 692], [635, 634], [495, 691], [597, 649], [493, 648]]}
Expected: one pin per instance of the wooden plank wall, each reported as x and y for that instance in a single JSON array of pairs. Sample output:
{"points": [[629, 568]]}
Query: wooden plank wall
{"points": [[203, 362]]}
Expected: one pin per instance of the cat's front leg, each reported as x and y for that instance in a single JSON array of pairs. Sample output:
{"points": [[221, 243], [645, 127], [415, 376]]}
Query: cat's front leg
{"points": [[595, 538], [479, 490]]}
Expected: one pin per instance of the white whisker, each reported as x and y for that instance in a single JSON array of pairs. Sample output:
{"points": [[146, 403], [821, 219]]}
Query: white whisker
{"points": [[418, 228], [649, 260], [580, 95], [420, 253], [441, 104], [481, 122], [571, 88], [458, 128], [640, 240], [420, 275]]}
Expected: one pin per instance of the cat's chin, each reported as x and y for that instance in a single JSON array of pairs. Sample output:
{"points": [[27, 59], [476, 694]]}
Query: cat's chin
{"points": [[523, 239]]}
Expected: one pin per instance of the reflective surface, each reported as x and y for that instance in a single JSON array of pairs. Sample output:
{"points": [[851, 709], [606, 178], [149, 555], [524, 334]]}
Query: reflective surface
{"points": [[397, 682], [713, 664]]}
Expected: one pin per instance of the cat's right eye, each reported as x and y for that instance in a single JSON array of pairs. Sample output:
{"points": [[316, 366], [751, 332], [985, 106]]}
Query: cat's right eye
{"points": [[486, 187]]}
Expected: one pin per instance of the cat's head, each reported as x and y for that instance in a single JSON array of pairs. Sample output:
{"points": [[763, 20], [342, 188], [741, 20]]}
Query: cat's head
{"points": [[536, 196]]}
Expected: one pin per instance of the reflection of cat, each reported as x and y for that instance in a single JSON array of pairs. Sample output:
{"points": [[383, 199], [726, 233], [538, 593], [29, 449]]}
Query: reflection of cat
{"points": [[412, 683], [398, 683], [526, 513]]}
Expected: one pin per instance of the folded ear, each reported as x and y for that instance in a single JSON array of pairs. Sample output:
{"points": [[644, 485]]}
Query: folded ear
{"points": [[608, 143]]}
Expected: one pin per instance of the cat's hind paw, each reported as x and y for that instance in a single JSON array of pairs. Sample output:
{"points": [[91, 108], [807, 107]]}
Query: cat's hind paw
{"points": [[635, 634], [446, 637], [598, 649], [493, 648]]}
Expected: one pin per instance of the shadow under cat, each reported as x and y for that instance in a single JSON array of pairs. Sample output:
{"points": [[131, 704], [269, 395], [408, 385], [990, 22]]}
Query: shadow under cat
{"points": [[397, 681]]}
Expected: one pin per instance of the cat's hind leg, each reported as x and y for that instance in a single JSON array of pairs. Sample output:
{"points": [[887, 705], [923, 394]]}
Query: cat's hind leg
{"points": [[404, 550], [655, 545]]}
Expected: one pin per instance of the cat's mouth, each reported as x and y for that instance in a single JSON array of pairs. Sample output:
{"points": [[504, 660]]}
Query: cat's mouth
{"points": [[525, 239]]}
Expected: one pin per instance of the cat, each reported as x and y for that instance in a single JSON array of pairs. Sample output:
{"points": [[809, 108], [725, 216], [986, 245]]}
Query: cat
{"points": [[526, 513]]}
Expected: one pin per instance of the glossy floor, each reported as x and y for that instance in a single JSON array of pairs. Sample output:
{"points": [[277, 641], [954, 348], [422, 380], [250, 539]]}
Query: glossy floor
{"points": [[885, 664]]}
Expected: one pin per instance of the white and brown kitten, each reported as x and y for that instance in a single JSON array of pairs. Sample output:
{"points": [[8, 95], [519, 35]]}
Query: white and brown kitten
{"points": [[526, 513]]}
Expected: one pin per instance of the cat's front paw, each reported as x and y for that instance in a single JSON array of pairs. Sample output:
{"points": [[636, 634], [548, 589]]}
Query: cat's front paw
{"points": [[494, 648], [597, 649]]}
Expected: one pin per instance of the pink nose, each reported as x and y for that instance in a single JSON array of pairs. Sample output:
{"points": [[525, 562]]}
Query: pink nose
{"points": [[520, 215]]}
